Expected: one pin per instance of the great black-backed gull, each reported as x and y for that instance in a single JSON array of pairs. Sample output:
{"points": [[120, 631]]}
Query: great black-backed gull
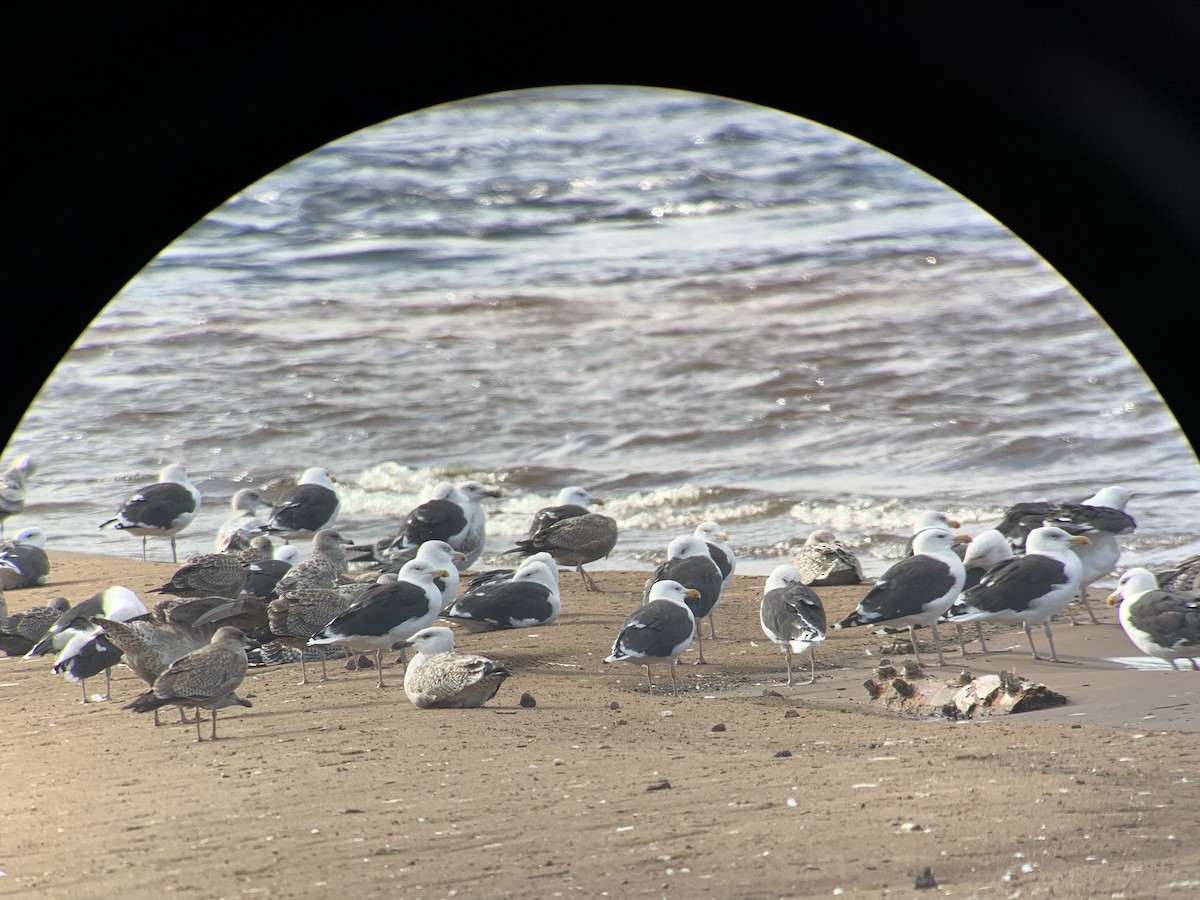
{"points": [[529, 599], [262, 577], [23, 560], [297, 614], [205, 678], [1101, 518], [572, 500], [14, 483], [987, 549], [659, 632], [792, 615], [162, 509], [21, 631], [437, 677], [689, 562], [454, 514], [206, 575], [717, 539], [824, 561], [309, 506], [1163, 624], [1027, 589], [248, 517], [917, 590], [388, 612], [81, 649], [574, 541]]}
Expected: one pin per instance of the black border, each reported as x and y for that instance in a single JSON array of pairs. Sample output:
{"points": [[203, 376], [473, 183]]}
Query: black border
{"points": [[1075, 124]]}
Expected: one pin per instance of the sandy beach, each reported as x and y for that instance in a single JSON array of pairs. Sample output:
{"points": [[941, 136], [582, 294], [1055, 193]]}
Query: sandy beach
{"points": [[739, 787]]}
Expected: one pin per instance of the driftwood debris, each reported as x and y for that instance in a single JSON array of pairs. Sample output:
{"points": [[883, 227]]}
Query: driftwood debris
{"points": [[912, 690]]}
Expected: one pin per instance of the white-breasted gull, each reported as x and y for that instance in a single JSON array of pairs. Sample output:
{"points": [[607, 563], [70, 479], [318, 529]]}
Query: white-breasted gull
{"points": [[529, 599], [1162, 623], [1027, 589], [14, 482], [916, 590], [439, 678], [162, 509], [307, 507], [690, 563], [658, 632], [23, 560], [792, 615]]}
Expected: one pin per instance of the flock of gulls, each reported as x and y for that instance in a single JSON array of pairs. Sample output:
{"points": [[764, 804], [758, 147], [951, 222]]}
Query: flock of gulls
{"points": [[253, 597]]}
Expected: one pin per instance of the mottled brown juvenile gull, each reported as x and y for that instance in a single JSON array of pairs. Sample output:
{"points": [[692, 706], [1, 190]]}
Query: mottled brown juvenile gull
{"points": [[824, 561], [162, 509], [574, 541], [1163, 624], [23, 560], [206, 575], [323, 568], [299, 613], [388, 612], [658, 632], [307, 507], [246, 520], [529, 599], [916, 590], [151, 643], [689, 562], [205, 678], [1026, 589], [792, 615], [1181, 576], [14, 483], [439, 678], [21, 631]]}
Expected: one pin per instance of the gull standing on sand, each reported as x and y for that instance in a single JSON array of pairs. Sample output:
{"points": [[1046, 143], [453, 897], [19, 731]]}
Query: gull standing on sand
{"points": [[660, 631], [917, 590], [206, 575], [574, 541], [572, 500], [1163, 624], [1027, 589], [690, 563], [454, 514], [388, 612], [162, 509], [205, 678], [437, 677], [792, 615]]}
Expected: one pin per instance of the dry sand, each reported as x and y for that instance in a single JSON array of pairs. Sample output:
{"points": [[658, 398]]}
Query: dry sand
{"points": [[740, 787]]}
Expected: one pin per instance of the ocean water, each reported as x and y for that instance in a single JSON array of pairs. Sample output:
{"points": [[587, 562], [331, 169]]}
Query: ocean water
{"points": [[697, 308]]}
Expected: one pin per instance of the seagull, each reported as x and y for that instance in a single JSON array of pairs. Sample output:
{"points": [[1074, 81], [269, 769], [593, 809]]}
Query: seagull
{"points": [[262, 577], [437, 677], [388, 612], [454, 514], [987, 549], [162, 509], [323, 568], [530, 598], [572, 500], [1181, 576], [152, 642], [1029, 588], [82, 651], [13, 482], [23, 560], [297, 614], [825, 561], [21, 631], [309, 506], [207, 575], [690, 563], [791, 615], [660, 631], [722, 554], [245, 521], [574, 541], [916, 590], [1163, 624], [205, 678]]}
